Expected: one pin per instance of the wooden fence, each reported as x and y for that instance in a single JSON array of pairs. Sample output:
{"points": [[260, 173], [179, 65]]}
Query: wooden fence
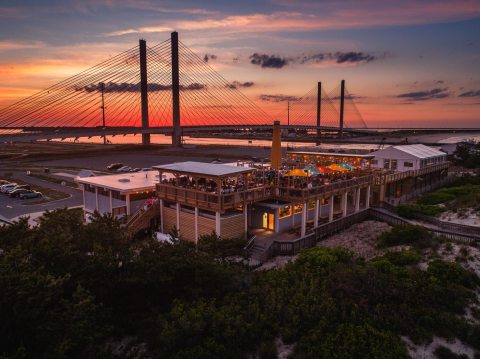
{"points": [[285, 247]]}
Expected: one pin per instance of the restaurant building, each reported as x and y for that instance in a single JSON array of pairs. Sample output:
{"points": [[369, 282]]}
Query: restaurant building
{"points": [[120, 194], [407, 157]]}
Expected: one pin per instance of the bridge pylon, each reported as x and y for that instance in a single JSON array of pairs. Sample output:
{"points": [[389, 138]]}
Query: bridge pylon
{"points": [[144, 91], [177, 130]]}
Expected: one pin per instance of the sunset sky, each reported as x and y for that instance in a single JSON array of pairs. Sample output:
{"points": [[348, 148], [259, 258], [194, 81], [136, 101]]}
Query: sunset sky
{"points": [[410, 63]]}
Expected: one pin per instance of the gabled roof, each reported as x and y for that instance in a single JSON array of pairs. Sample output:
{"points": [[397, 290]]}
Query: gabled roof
{"points": [[202, 168], [418, 151]]}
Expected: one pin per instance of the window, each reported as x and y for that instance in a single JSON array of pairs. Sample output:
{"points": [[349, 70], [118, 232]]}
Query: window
{"points": [[118, 211], [103, 192], [117, 195], [89, 188], [393, 164], [374, 162], [386, 164], [141, 195], [285, 212], [298, 208], [311, 204], [407, 164]]}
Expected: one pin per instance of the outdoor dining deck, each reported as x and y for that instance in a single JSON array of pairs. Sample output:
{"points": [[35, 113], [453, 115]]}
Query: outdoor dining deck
{"points": [[212, 200]]}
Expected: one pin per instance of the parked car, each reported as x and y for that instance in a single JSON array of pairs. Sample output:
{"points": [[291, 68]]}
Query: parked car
{"points": [[114, 166], [22, 186], [124, 169], [31, 194], [146, 169], [17, 192], [7, 186], [2, 182], [136, 169]]}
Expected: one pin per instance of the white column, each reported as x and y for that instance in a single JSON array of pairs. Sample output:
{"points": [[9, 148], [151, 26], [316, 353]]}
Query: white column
{"points": [[344, 203], [178, 216], [111, 202], [304, 219], [127, 201], [161, 216], [367, 198], [317, 211], [96, 198], [357, 199], [217, 224], [196, 225], [331, 203], [245, 217]]}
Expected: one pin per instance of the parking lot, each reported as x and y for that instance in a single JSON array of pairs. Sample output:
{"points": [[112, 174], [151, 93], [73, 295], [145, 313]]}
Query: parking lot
{"points": [[14, 207]]}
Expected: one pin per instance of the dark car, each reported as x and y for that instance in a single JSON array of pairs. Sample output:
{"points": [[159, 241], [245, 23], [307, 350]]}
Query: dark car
{"points": [[31, 194], [114, 166], [22, 186], [18, 192]]}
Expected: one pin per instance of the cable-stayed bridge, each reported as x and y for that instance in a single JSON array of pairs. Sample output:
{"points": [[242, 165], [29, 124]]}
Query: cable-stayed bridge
{"points": [[165, 89]]}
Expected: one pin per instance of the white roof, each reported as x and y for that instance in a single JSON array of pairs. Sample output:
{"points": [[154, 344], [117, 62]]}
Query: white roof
{"points": [[202, 168], [418, 151], [124, 182]]}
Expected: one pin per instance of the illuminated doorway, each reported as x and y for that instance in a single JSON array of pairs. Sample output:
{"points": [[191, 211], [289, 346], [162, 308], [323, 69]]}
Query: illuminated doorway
{"points": [[268, 221]]}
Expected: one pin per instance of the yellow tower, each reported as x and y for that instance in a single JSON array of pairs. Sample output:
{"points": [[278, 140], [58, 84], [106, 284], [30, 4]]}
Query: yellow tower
{"points": [[276, 146]]}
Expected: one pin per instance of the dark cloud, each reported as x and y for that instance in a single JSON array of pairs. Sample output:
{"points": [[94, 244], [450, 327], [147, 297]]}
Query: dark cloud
{"points": [[351, 56], [275, 61], [278, 98], [312, 58], [209, 57], [472, 93], [268, 61], [348, 97], [114, 87], [237, 84], [425, 95]]}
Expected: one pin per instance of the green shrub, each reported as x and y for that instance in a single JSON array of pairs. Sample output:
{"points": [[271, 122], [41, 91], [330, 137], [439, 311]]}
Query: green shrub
{"points": [[411, 210], [442, 352], [417, 236], [436, 197], [220, 247], [403, 258]]}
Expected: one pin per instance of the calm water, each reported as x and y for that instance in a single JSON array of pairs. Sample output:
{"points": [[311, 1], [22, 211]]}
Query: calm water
{"points": [[161, 139]]}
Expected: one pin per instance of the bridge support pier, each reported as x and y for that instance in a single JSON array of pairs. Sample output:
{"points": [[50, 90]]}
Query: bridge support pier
{"points": [[177, 131], [319, 108], [342, 107], [144, 90]]}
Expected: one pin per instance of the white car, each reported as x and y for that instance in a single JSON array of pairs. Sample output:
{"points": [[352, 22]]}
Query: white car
{"points": [[6, 187], [124, 169]]}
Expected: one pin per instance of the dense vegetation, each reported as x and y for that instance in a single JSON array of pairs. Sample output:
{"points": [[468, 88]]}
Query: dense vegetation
{"points": [[458, 196], [467, 154], [74, 291]]}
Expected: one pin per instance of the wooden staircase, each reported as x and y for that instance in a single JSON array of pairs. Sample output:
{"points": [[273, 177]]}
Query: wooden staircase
{"points": [[142, 219]]}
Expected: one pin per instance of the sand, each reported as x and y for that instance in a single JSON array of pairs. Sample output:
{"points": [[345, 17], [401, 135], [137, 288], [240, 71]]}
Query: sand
{"points": [[470, 217]]}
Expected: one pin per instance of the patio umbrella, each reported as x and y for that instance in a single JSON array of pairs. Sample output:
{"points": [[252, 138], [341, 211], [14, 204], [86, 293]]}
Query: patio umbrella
{"points": [[324, 169], [347, 166], [311, 170], [297, 172], [337, 168]]}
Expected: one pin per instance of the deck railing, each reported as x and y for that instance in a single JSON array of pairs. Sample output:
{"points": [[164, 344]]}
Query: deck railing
{"points": [[210, 200], [294, 194], [289, 247], [392, 176]]}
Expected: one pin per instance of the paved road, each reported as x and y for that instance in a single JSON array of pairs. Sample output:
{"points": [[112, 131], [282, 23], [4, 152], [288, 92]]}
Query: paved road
{"points": [[14, 207]]}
